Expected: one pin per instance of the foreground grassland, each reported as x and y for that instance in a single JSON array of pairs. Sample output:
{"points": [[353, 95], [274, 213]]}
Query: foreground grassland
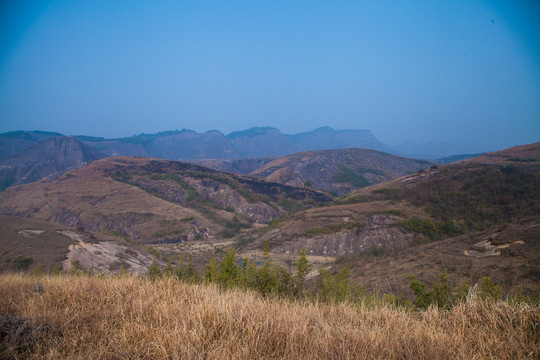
{"points": [[73, 317]]}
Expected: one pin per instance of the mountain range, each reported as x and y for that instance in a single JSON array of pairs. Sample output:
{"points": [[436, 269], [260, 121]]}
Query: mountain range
{"points": [[37, 155], [188, 144]]}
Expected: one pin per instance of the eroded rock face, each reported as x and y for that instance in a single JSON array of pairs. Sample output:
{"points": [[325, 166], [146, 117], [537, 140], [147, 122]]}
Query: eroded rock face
{"points": [[225, 197], [107, 257], [378, 232]]}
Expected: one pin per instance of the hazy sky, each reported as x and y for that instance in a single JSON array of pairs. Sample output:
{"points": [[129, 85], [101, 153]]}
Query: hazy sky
{"points": [[407, 70]]}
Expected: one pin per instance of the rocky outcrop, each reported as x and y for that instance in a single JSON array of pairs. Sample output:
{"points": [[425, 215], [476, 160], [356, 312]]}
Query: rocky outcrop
{"points": [[377, 232], [105, 257]]}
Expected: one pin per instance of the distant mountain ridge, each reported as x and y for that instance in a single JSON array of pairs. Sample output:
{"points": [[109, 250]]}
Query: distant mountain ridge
{"points": [[255, 142]]}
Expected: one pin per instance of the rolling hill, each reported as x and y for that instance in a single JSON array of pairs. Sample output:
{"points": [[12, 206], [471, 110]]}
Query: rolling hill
{"points": [[338, 171], [150, 200], [460, 199]]}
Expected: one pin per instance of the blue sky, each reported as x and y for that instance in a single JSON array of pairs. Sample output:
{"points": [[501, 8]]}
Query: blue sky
{"points": [[407, 70]]}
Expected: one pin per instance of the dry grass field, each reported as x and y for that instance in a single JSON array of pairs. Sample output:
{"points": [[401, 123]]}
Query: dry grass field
{"points": [[79, 317]]}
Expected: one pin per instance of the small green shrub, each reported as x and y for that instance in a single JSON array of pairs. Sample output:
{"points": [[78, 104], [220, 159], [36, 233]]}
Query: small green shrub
{"points": [[334, 228], [347, 175], [334, 287], [423, 226], [154, 271], [442, 294], [153, 251], [234, 226], [353, 199], [488, 290], [395, 212], [21, 263]]}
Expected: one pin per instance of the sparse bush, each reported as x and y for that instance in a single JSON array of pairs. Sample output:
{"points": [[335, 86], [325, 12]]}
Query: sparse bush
{"points": [[334, 287], [395, 212], [333, 228], [488, 290], [353, 199], [346, 175], [234, 226], [388, 193], [433, 230], [153, 251], [22, 263], [440, 295], [423, 226], [399, 301]]}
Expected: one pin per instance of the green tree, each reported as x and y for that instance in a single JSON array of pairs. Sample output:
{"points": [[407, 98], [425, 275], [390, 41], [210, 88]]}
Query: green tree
{"points": [[211, 275], [333, 287], [302, 269], [154, 271], [228, 270]]}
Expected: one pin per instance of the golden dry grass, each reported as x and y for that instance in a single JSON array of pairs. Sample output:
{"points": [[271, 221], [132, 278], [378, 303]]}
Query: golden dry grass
{"points": [[133, 318]]}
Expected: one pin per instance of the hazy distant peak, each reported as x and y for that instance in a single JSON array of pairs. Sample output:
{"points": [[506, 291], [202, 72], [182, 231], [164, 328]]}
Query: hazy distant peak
{"points": [[253, 132], [324, 129], [328, 130]]}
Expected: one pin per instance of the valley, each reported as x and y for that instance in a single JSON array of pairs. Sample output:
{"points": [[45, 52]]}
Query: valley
{"points": [[354, 207]]}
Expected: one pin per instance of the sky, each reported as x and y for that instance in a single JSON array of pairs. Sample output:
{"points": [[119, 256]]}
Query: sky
{"points": [[417, 71]]}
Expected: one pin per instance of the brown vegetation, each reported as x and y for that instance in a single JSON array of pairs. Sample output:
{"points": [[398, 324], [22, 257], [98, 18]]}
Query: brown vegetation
{"points": [[129, 317], [338, 171]]}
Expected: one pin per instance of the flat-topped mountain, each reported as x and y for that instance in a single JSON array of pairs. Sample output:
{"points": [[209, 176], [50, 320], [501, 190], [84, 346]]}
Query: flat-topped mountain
{"points": [[49, 158], [262, 142], [326, 138]]}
